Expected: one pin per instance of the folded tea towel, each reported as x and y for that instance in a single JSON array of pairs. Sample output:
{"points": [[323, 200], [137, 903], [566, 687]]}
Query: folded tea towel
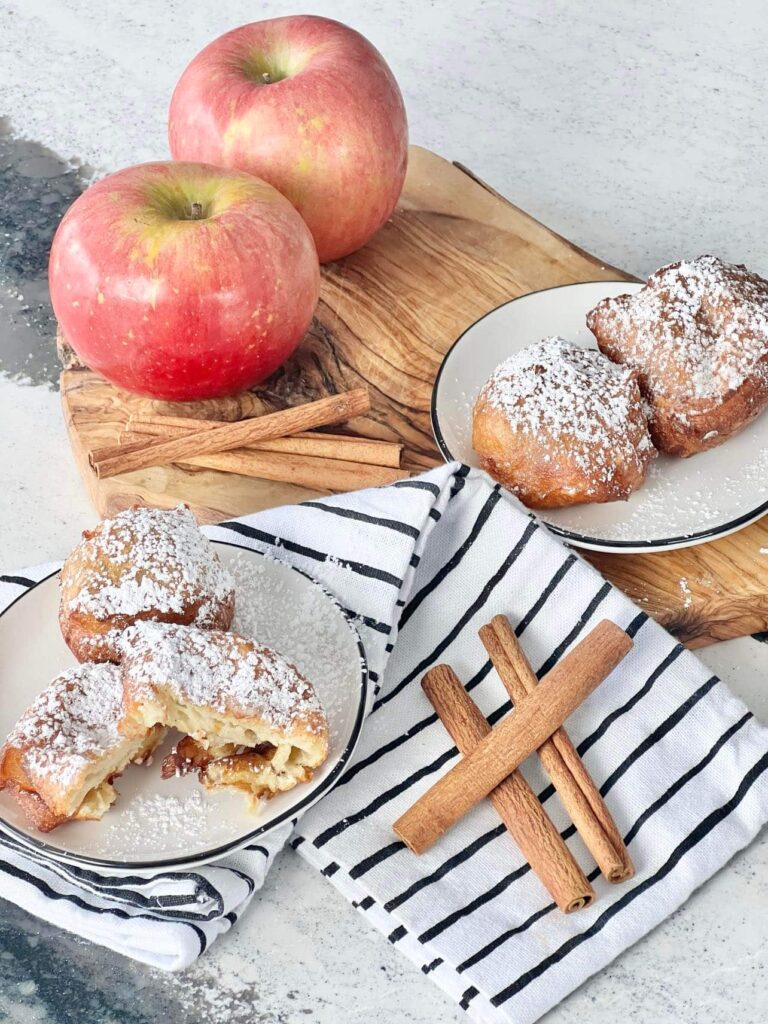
{"points": [[421, 565]]}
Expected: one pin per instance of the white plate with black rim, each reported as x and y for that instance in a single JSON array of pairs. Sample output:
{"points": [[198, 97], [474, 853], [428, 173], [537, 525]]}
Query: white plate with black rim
{"points": [[155, 823], [683, 501]]}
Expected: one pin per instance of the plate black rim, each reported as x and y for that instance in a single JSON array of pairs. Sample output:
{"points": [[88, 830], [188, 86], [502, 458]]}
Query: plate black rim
{"points": [[581, 539], [77, 860]]}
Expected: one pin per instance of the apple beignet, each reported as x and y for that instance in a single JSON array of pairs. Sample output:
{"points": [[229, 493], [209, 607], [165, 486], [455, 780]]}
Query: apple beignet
{"points": [[62, 756], [145, 563], [697, 335], [559, 425], [251, 719]]}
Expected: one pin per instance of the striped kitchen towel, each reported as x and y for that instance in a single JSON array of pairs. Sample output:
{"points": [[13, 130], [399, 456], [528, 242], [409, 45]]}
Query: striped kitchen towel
{"points": [[422, 565]]}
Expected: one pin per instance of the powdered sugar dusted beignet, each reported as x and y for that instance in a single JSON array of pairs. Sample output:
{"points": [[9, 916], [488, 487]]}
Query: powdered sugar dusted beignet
{"points": [[697, 335], [64, 752], [145, 563], [558, 425], [255, 721]]}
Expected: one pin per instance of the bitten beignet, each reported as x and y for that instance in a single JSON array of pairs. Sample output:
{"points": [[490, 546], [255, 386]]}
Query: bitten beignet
{"points": [[252, 720], [145, 563], [558, 425], [697, 335], [66, 749]]}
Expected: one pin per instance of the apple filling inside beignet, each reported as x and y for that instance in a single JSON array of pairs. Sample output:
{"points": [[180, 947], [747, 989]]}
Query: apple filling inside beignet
{"points": [[250, 719], [260, 771]]}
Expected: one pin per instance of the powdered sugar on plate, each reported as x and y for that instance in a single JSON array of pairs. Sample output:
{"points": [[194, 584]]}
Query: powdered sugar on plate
{"points": [[680, 496], [162, 820], [266, 602]]}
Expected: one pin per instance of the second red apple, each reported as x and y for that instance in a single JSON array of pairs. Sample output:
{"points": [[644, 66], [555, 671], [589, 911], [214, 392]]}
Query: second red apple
{"points": [[310, 106]]}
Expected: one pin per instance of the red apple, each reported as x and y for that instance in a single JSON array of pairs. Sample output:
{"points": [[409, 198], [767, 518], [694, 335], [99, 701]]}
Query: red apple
{"points": [[309, 105], [183, 281]]}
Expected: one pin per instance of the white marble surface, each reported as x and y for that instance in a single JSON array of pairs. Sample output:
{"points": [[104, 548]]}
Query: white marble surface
{"points": [[637, 130]]}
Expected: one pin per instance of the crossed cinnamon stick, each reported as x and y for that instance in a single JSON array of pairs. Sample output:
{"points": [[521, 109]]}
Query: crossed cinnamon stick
{"points": [[579, 794], [491, 758], [513, 799]]}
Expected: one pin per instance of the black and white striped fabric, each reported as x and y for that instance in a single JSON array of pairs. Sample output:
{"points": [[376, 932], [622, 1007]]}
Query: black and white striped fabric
{"points": [[422, 564]]}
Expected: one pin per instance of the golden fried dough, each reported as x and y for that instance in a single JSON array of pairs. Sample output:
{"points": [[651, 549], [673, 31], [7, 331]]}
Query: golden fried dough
{"points": [[697, 335], [251, 719], [146, 563], [66, 749], [559, 425]]}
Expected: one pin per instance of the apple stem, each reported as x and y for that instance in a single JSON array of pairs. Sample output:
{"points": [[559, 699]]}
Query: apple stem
{"points": [[266, 78], [196, 211]]}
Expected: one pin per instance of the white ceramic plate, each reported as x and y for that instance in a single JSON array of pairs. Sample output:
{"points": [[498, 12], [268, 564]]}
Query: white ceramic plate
{"points": [[683, 501], [162, 823]]}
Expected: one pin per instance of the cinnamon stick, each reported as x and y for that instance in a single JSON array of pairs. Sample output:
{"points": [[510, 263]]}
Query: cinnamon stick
{"points": [[129, 443], [514, 739], [303, 470], [128, 439], [324, 446], [513, 799], [320, 474], [581, 797], [324, 412]]}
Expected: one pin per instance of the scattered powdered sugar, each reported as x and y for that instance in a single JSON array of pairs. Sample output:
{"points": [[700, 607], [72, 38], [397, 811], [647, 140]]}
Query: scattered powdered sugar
{"points": [[680, 496], [71, 724], [302, 621], [707, 581], [273, 610], [93, 646], [157, 819], [697, 330], [218, 670], [147, 559], [685, 590], [582, 406]]}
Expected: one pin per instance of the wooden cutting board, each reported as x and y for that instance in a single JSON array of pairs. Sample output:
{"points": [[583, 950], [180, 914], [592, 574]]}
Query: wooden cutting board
{"points": [[453, 250]]}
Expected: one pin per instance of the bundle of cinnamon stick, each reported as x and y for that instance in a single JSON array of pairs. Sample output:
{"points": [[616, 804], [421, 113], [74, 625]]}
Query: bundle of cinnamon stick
{"points": [[285, 446], [492, 757]]}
